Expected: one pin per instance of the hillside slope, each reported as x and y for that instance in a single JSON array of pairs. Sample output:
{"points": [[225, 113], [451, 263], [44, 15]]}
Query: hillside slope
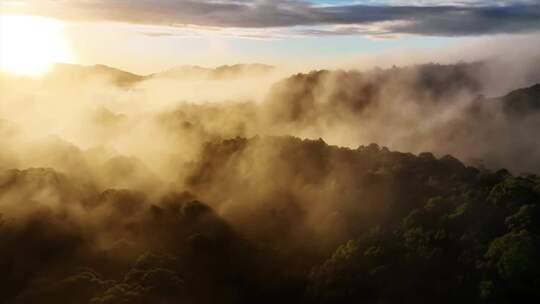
{"points": [[284, 220]]}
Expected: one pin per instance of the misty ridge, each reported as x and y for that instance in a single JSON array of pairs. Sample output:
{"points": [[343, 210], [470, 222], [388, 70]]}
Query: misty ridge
{"points": [[253, 184], [457, 109]]}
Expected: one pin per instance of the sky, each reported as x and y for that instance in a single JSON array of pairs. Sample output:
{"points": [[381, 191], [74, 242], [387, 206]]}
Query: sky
{"points": [[146, 36]]}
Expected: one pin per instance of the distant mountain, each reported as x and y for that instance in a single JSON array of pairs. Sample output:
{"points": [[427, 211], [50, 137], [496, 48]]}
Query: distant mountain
{"points": [[81, 72], [123, 78], [221, 72]]}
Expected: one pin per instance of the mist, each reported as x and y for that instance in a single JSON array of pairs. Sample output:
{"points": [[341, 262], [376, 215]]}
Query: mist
{"points": [[117, 187]]}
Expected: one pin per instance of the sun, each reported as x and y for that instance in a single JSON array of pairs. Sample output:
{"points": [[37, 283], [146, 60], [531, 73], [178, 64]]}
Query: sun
{"points": [[30, 45]]}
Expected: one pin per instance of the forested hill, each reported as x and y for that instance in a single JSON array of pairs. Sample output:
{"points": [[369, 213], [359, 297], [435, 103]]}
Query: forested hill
{"points": [[276, 220], [523, 102]]}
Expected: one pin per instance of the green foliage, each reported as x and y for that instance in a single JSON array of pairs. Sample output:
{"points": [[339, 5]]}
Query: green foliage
{"points": [[487, 291], [526, 218], [514, 192], [364, 225], [514, 255]]}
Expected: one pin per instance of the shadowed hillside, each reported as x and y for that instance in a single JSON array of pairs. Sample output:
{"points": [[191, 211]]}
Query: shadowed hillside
{"points": [[523, 102], [311, 223]]}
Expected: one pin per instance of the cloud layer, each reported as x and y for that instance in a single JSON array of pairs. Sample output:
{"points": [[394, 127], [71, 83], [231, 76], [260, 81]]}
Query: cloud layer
{"points": [[450, 18]]}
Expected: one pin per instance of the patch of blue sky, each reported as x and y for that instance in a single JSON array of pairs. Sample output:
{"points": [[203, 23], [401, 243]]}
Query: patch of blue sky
{"points": [[332, 46]]}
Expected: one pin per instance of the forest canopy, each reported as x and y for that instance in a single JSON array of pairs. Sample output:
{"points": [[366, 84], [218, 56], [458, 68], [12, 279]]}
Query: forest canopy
{"points": [[238, 185], [330, 225]]}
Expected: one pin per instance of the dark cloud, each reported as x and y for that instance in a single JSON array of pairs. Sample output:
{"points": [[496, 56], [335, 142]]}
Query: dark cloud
{"points": [[426, 18], [484, 20]]}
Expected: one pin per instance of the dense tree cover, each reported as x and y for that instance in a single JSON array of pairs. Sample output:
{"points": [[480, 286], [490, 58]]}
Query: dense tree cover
{"points": [[475, 243], [522, 102], [305, 98], [311, 224]]}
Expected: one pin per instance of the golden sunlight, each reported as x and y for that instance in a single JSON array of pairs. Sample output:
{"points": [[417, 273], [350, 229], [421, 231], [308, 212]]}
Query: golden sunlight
{"points": [[30, 45]]}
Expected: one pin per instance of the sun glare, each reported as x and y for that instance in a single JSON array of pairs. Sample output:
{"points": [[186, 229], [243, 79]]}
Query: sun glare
{"points": [[30, 45]]}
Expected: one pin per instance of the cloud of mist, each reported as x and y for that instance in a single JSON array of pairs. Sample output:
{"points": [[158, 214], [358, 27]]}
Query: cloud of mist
{"points": [[124, 131], [105, 167]]}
